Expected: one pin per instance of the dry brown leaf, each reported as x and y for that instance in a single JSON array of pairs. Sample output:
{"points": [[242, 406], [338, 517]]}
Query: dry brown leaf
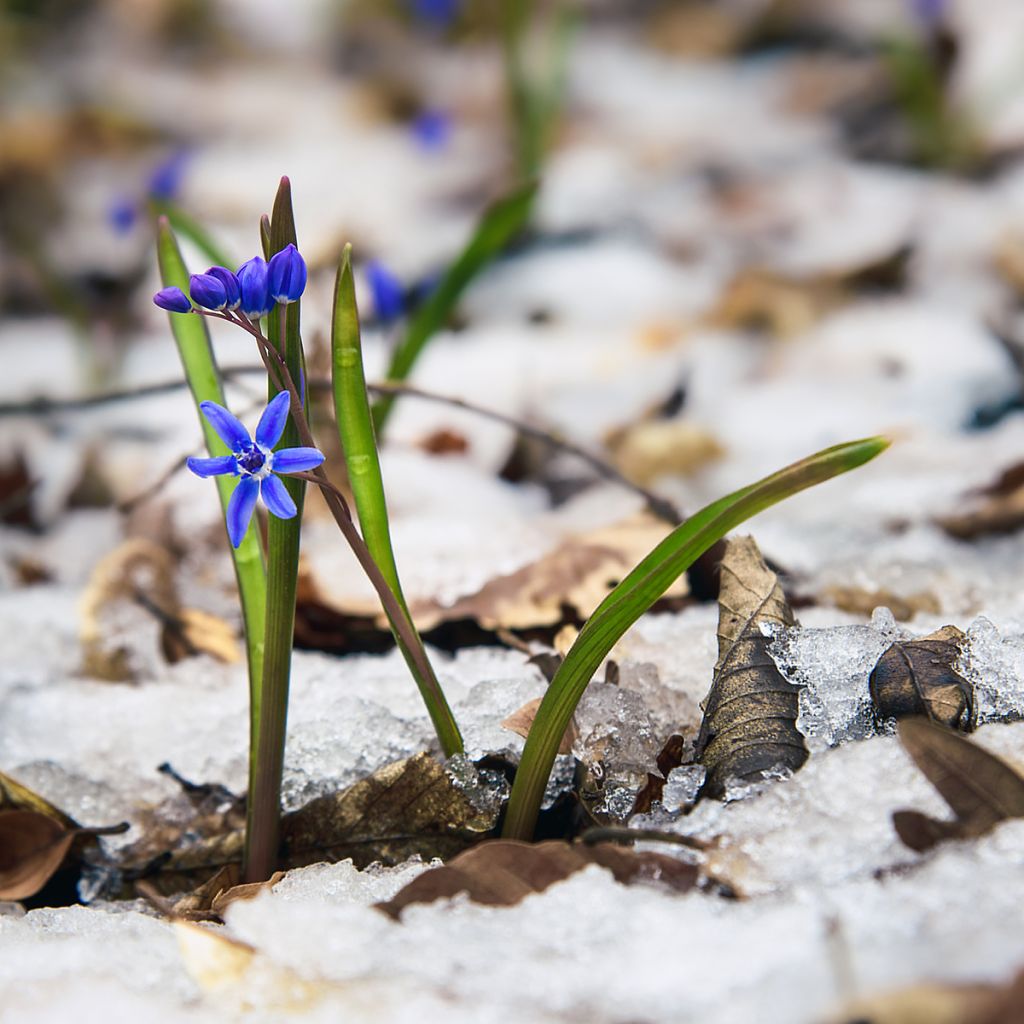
{"points": [[521, 720], [578, 574], [214, 961], [138, 566], [916, 677], [32, 847], [671, 756], [998, 508], [408, 807], [198, 632], [783, 307], [749, 725], [787, 306], [501, 872], [645, 451], [444, 442], [920, 1004], [981, 789], [211, 899], [862, 601], [697, 29]]}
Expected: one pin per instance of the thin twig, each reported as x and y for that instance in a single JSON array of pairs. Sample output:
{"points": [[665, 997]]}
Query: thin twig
{"points": [[658, 505]]}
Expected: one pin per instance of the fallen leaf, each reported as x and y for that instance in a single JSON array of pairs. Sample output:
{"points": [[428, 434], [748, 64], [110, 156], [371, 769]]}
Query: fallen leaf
{"points": [[916, 677], [198, 632], [920, 1004], [407, 807], [786, 306], [214, 961], [750, 712], [444, 442], [645, 451], [862, 601], [997, 508], [141, 572], [32, 847], [501, 872], [209, 901], [521, 720], [671, 756], [577, 576], [981, 789]]}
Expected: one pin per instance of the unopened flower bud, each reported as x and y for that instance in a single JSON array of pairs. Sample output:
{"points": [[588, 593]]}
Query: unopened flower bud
{"points": [[174, 300], [287, 271], [254, 286]]}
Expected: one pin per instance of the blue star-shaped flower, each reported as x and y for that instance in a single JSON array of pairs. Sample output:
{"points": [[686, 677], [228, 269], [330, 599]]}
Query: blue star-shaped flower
{"points": [[255, 462]]}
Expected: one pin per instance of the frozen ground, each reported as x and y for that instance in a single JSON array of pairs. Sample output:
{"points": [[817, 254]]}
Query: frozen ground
{"points": [[831, 904]]}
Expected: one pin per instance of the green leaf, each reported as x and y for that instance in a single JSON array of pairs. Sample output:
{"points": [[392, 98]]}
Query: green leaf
{"points": [[355, 427], [193, 340], [189, 228], [499, 224], [635, 595]]}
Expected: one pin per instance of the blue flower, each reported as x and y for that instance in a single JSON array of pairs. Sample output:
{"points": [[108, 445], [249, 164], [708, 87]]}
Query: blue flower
{"points": [[174, 300], [165, 181], [287, 275], [254, 462], [254, 285], [388, 294], [432, 129], [438, 14], [208, 291], [232, 289]]}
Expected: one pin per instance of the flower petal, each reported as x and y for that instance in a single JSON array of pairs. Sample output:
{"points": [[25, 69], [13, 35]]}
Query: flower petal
{"points": [[296, 460], [240, 507], [213, 467], [271, 424], [229, 428], [277, 498]]}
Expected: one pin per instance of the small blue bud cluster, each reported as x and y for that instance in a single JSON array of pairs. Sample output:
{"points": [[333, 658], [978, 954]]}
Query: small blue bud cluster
{"points": [[253, 290]]}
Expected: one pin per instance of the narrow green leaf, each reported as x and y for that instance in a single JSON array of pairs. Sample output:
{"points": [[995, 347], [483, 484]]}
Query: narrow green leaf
{"points": [[264, 807], [636, 593], [188, 227], [498, 225], [193, 340], [355, 427]]}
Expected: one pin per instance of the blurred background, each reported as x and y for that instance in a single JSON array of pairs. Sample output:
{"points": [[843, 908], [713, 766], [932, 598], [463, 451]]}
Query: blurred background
{"points": [[762, 226]]}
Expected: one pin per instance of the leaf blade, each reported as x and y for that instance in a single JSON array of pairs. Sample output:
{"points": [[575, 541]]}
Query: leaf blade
{"points": [[498, 225], [636, 593], [358, 441]]}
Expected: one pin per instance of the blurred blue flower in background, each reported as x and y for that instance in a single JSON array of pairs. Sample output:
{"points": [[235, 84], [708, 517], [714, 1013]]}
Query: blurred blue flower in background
{"points": [[432, 129]]}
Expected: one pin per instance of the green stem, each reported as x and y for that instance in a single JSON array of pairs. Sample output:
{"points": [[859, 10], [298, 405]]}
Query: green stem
{"points": [[264, 808]]}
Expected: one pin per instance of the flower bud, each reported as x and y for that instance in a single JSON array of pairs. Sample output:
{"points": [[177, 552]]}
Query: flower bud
{"points": [[231, 286], [287, 273], [207, 291], [254, 286], [174, 300]]}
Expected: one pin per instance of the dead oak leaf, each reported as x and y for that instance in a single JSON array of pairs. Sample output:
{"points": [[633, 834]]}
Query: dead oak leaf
{"points": [[980, 788], [577, 575], [501, 872], [521, 721], [916, 677], [749, 726]]}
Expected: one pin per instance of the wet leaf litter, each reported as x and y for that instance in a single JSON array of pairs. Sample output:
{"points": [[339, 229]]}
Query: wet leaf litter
{"points": [[780, 329]]}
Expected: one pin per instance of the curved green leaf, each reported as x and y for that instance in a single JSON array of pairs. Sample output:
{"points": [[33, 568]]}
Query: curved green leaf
{"points": [[636, 593]]}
